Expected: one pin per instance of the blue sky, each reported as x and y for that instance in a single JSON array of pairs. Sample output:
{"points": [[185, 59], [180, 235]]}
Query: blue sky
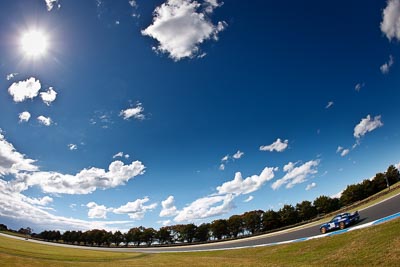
{"points": [[152, 113]]}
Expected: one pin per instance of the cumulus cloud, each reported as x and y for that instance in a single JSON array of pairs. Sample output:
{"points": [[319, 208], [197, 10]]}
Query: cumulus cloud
{"points": [[84, 182], [49, 96], [252, 183], [238, 154], [310, 186], [168, 207], [24, 116], [277, 146], [97, 211], [385, 68], [390, 24], [27, 89], [72, 147], [329, 105], [250, 198], [46, 121], [11, 76], [134, 112], [367, 125], [11, 161], [206, 207], [136, 209], [180, 26], [44, 201], [296, 175]]}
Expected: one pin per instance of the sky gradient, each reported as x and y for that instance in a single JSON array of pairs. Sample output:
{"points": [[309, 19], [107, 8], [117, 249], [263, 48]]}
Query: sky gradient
{"points": [[163, 112]]}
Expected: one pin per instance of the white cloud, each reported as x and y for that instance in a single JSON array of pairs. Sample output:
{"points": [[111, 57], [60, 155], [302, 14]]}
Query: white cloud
{"points": [[390, 24], [310, 186], [296, 175], [168, 207], [51, 3], [252, 183], [367, 125], [345, 152], [339, 149], [385, 68], [44, 201], [24, 116], [16, 206], [97, 211], [72, 147], [11, 161], [250, 198], [359, 86], [277, 146], [84, 182], [24, 89], [165, 222], [136, 209], [49, 96], [46, 121], [225, 158], [337, 195], [221, 167], [180, 27], [11, 76], [206, 207], [132, 3], [135, 112], [238, 154], [119, 154], [329, 105], [127, 156]]}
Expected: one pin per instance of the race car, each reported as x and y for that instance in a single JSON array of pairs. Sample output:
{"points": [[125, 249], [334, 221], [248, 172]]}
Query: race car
{"points": [[340, 221]]}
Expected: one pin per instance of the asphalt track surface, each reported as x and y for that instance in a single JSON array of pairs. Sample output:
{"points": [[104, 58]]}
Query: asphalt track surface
{"points": [[375, 212]]}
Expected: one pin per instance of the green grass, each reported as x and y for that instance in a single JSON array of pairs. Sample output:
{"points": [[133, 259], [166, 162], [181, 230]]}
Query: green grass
{"points": [[374, 246]]}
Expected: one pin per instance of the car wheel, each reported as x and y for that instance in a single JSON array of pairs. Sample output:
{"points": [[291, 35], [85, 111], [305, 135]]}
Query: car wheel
{"points": [[323, 230], [342, 225]]}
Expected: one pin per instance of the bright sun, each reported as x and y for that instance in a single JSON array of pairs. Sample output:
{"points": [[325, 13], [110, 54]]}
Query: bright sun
{"points": [[34, 43]]}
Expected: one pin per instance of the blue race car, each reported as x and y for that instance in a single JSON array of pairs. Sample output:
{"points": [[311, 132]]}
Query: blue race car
{"points": [[340, 221]]}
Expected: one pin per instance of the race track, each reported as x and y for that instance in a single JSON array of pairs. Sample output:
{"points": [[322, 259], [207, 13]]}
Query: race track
{"points": [[375, 212]]}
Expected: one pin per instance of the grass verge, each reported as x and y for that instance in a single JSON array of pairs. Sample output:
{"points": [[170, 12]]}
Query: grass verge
{"points": [[373, 246]]}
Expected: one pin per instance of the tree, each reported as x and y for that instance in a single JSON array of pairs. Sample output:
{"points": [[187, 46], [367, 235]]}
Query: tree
{"points": [[306, 210], [325, 204], [203, 232], [353, 193], [379, 182], [392, 175], [148, 235], [219, 228], [3, 227], [271, 220], [288, 215], [235, 225], [117, 238], [164, 235], [188, 232], [252, 221]]}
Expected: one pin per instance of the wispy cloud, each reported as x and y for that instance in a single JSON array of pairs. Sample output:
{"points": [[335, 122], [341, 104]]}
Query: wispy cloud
{"points": [[310, 186], [296, 175], [133, 112], [385, 68], [72, 147], [329, 105]]}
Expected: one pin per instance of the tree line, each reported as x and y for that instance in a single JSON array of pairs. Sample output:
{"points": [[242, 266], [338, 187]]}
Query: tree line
{"points": [[248, 223]]}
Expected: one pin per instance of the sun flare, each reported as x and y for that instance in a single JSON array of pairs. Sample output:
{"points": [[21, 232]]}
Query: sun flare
{"points": [[34, 43]]}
